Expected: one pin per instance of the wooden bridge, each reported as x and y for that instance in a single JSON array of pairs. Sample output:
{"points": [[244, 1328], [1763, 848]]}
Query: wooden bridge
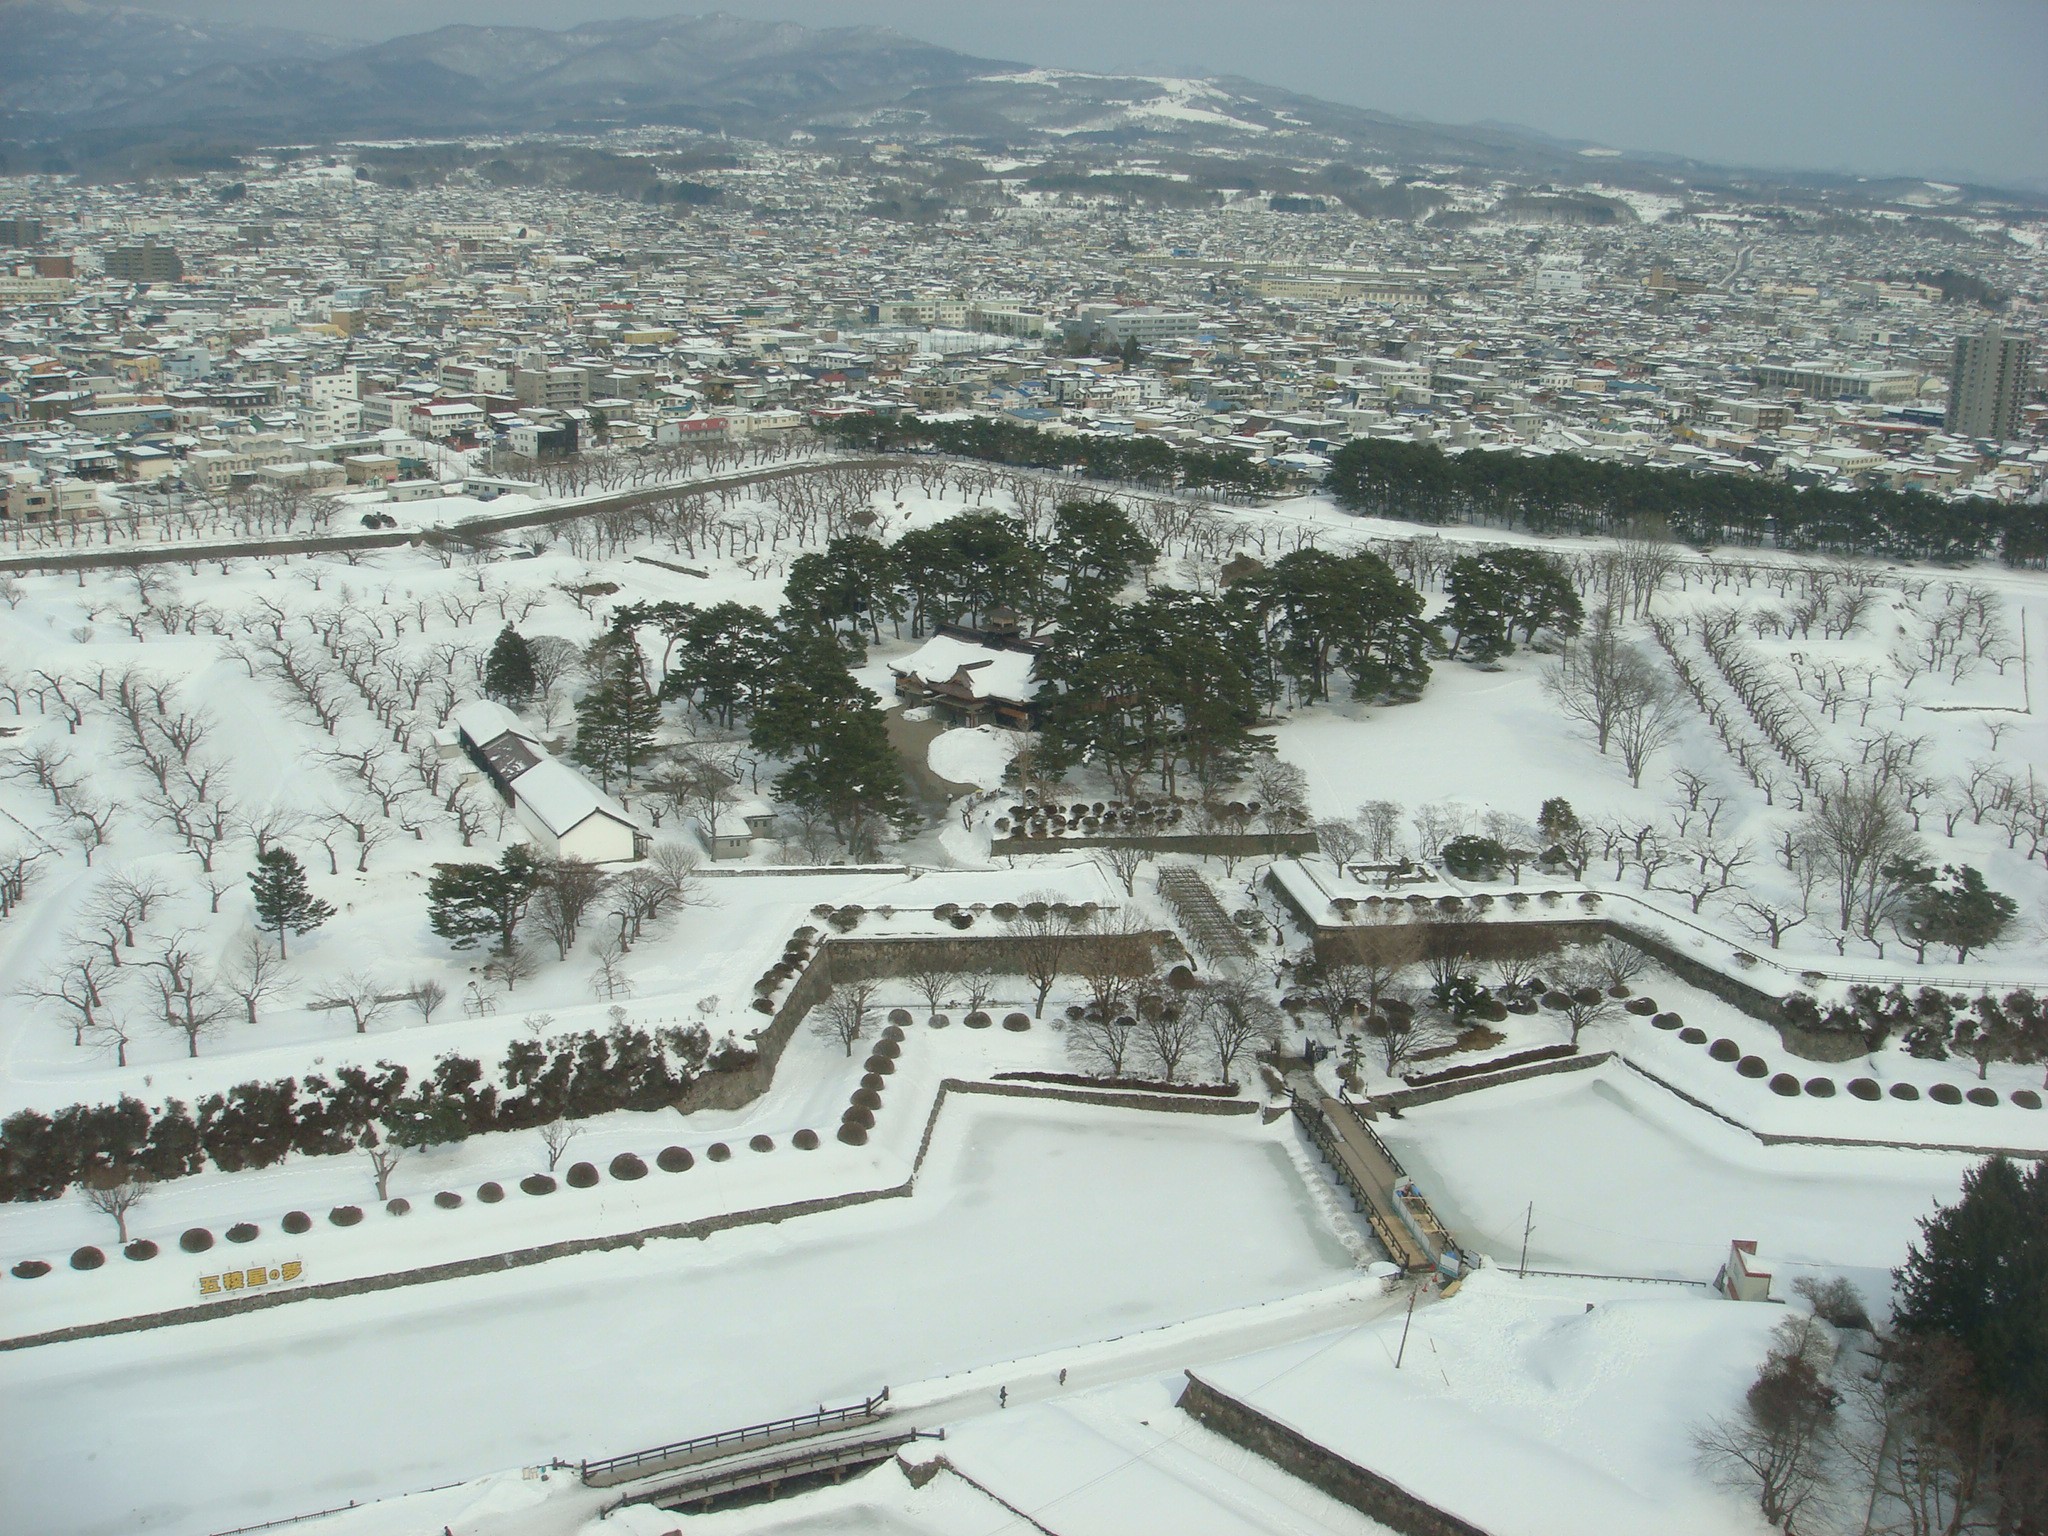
{"points": [[1395, 1210], [634, 1465]]}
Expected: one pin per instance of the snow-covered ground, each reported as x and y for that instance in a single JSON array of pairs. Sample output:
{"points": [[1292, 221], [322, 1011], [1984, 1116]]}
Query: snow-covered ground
{"points": [[1528, 1407], [1626, 1179], [1038, 1227]]}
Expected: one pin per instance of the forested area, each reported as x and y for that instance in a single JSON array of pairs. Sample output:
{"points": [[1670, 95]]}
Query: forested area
{"points": [[1564, 493], [1133, 460]]}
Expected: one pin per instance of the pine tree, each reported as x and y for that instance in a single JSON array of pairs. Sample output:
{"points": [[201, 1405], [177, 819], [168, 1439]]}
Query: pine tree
{"points": [[617, 719], [1979, 1275], [508, 671], [467, 902], [283, 901]]}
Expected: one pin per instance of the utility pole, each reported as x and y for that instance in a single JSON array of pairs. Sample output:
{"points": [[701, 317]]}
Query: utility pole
{"points": [[1402, 1353], [1528, 1226]]}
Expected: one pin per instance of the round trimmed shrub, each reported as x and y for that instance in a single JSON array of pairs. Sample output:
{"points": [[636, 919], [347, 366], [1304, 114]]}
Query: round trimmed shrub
{"points": [[87, 1257], [1945, 1093], [881, 1065], [805, 1140], [888, 1049], [978, 1019], [874, 1080], [1018, 1022], [761, 1143], [853, 1135], [1820, 1087], [2026, 1098], [398, 1205], [242, 1232], [674, 1160], [195, 1240], [448, 1200], [582, 1176], [1988, 1097], [938, 1021], [718, 1152], [1668, 1021], [899, 1018], [296, 1222], [345, 1215], [627, 1167], [866, 1098], [1618, 991], [1692, 1035], [490, 1193], [1904, 1091], [763, 1005], [858, 1114], [1753, 1067], [142, 1248], [30, 1269], [1725, 1049], [1866, 1089], [1785, 1085], [1556, 1000], [537, 1184], [1641, 1007]]}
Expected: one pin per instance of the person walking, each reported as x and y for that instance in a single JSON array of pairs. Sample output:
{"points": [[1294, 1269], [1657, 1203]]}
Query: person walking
{"points": [[1002, 1397], [1063, 1375]]}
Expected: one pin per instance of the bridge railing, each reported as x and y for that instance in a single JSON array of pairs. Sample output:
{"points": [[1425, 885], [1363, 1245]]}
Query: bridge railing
{"points": [[613, 1469]]}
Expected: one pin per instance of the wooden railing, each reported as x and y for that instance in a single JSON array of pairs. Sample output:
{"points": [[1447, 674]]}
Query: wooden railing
{"points": [[617, 1469]]}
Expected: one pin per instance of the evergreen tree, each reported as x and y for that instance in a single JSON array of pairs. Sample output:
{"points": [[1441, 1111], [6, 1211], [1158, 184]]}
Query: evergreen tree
{"points": [[1979, 1275], [617, 718], [468, 902], [508, 670], [1498, 594], [284, 903]]}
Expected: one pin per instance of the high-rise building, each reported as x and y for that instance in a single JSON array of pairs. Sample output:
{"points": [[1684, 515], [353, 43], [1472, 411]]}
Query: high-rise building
{"points": [[1988, 384], [17, 229], [144, 263]]}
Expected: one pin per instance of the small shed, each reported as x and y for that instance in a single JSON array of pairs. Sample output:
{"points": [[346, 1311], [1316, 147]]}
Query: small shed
{"points": [[1742, 1278]]}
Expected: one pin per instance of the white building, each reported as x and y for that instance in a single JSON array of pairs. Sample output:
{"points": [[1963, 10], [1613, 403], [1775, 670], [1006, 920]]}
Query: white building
{"points": [[566, 815]]}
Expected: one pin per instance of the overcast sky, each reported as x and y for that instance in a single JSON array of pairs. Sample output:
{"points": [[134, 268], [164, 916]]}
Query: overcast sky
{"points": [[1955, 88]]}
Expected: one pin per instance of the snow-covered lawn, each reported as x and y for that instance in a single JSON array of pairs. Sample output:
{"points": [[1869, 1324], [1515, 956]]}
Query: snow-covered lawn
{"points": [[1529, 1407], [1038, 1227], [1627, 1179]]}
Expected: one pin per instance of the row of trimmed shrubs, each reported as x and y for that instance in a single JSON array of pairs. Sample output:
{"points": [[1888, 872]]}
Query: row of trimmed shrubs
{"points": [[866, 1101], [1867, 1089], [625, 1167]]}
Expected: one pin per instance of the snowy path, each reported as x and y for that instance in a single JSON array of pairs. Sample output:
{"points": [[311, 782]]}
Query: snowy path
{"points": [[1040, 1230]]}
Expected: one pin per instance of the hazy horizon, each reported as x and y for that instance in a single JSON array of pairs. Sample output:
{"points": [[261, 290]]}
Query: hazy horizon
{"points": [[1867, 87]]}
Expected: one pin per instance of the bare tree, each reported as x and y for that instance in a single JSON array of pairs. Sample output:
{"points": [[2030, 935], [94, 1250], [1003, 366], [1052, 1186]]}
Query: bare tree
{"points": [[934, 981], [1379, 821], [255, 973], [508, 967], [1168, 1035], [1236, 1016], [1579, 998], [1400, 1033], [843, 1016], [1601, 679], [1341, 842], [1779, 1446], [1645, 726], [358, 992], [116, 1195], [1851, 837], [1101, 1045], [1124, 861], [569, 888], [1045, 944], [426, 996], [556, 1136]]}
